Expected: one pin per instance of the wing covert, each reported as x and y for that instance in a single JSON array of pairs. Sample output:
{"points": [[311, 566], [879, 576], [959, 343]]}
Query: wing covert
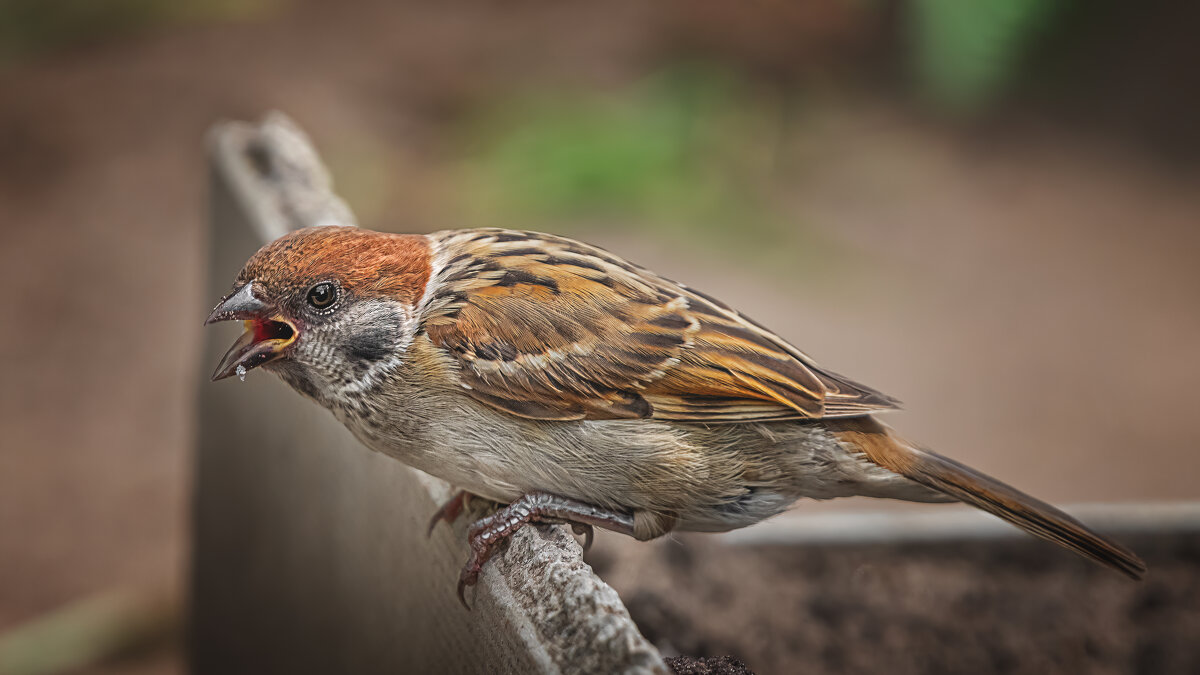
{"points": [[548, 328]]}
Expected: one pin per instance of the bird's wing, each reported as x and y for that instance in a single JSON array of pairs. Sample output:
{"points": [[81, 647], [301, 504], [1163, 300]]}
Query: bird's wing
{"points": [[547, 328]]}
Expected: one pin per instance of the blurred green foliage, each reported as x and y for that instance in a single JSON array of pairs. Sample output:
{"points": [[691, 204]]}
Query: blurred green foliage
{"points": [[32, 26], [690, 149], [967, 52], [89, 631]]}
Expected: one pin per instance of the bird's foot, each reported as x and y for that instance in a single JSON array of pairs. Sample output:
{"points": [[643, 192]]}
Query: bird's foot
{"points": [[450, 511], [487, 534]]}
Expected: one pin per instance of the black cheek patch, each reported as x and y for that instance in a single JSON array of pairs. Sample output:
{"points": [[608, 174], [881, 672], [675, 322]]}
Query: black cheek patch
{"points": [[371, 344]]}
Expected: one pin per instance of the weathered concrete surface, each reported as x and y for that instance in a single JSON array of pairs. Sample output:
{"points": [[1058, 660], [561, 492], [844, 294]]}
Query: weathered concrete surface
{"points": [[310, 553]]}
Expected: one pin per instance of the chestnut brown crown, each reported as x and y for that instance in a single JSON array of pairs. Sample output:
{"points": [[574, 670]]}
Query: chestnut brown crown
{"points": [[364, 263]]}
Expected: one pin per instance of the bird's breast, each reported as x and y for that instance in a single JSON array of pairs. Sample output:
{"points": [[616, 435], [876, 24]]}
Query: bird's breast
{"points": [[715, 477]]}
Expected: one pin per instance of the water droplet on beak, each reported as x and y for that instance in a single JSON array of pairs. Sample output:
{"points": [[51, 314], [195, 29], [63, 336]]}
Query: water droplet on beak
{"points": [[241, 373]]}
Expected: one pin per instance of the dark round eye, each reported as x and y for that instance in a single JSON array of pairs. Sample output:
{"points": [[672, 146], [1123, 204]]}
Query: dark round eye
{"points": [[322, 295]]}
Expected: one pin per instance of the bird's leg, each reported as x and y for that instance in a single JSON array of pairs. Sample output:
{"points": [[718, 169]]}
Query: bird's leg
{"points": [[450, 511], [487, 533], [453, 508]]}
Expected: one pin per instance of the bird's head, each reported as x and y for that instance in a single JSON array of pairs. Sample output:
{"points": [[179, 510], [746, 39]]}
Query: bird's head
{"points": [[325, 307]]}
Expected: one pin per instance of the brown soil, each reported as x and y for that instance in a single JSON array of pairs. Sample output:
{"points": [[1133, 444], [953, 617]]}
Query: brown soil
{"points": [[1009, 606], [717, 665]]}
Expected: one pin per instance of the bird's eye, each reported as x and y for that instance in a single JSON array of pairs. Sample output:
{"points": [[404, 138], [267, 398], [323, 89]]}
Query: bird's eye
{"points": [[322, 295]]}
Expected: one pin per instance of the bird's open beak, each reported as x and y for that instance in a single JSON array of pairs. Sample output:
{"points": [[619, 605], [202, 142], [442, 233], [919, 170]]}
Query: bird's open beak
{"points": [[267, 332]]}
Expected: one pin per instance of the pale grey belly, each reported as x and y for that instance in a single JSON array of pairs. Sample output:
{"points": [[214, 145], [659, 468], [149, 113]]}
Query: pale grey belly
{"points": [[713, 478]]}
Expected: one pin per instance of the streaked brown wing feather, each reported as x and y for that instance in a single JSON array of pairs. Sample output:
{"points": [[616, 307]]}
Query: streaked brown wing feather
{"points": [[548, 328]]}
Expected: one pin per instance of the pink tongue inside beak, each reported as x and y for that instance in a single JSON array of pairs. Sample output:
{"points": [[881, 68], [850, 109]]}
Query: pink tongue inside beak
{"points": [[263, 342], [264, 339]]}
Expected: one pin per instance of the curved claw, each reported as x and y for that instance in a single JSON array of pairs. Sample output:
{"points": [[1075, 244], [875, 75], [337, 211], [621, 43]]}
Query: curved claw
{"points": [[487, 534], [588, 532], [482, 539], [463, 582], [450, 511]]}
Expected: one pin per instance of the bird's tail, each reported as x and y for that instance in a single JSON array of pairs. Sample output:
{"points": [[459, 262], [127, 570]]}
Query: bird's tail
{"points": [[965, 484]]}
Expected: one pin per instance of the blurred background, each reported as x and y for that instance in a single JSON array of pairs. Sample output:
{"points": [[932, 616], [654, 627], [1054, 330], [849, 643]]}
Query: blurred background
{"points": [[990, 210]]}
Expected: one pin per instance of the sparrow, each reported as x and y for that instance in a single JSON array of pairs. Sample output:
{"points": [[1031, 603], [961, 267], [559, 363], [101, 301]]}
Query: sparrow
{"points": [[552, 376]]}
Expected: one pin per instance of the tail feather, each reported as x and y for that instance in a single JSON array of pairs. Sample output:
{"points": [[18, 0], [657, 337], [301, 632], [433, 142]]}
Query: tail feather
{"points": [[984, 492]]}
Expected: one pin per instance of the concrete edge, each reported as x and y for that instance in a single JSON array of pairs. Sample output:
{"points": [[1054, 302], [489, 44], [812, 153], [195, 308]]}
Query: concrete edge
{"points": [[947, 523]]}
